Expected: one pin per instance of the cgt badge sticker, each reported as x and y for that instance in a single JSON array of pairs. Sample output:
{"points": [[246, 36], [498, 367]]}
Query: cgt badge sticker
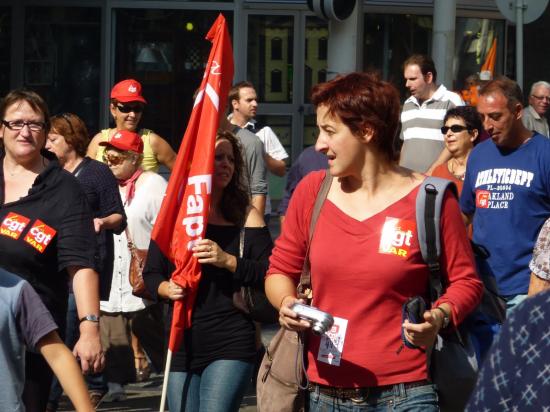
{"points": [[396, 237], [13, 225], [40, 235]]}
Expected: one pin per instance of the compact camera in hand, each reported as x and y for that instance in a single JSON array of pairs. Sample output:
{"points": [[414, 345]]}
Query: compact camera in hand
{"points": [[320, 321]]}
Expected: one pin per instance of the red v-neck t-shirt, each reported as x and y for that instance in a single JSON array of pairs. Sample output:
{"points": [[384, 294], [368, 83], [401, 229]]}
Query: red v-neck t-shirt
{"points": [[363, 272]]}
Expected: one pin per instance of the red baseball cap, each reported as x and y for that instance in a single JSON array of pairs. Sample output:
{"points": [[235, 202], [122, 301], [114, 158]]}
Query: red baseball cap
{"points": [[125, 140], [128, 90]]}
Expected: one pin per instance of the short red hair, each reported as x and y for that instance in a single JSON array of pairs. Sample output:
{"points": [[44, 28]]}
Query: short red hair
{"points": [[362, 101]]}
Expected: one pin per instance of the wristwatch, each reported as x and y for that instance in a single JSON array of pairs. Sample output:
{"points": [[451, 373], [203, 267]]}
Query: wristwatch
{"points": [[91, 318], [445, 317]]}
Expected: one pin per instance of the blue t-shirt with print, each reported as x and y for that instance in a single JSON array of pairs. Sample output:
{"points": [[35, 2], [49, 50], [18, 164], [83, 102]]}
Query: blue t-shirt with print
{"points": [[508, 191]]}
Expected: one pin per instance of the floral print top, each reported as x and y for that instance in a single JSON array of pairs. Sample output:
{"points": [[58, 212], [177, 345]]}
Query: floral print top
{"points": [[540, 263]]}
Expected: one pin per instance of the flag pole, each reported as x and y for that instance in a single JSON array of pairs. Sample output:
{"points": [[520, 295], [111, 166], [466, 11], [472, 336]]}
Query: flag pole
{"points": [[188, 194], [165, 380]]}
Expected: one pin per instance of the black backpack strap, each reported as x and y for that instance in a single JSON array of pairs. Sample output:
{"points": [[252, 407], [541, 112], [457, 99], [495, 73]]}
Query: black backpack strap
{"points": [[428, 216], [305, 277]]}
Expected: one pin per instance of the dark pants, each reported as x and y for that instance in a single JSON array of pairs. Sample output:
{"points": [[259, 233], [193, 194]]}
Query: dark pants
{"points": [[38, 378], [38, 375], [148, 326], [72, 333]]}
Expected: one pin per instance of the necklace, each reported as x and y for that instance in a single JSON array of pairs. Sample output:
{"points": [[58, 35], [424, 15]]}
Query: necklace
{"points": [[453, 164], [21, 170]]}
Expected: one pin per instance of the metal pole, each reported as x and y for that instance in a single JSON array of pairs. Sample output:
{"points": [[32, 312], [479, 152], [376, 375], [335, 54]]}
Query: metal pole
{"points": [[519, 42], [443, 40], [344, 43]]}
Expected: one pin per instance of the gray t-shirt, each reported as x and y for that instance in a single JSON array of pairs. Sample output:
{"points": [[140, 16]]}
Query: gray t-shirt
{"points": [[24, 320], [253, 153]]}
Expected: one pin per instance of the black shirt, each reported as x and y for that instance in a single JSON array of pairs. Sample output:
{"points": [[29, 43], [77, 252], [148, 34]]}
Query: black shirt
{"points": [[101, 189], [45, 232], [218, 329]]}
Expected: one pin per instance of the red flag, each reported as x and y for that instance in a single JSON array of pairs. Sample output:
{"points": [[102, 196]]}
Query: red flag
{"points": [[184, 211]]}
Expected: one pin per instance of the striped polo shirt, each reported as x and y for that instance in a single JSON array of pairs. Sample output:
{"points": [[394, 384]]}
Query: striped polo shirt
{"points": [[420, 128]]}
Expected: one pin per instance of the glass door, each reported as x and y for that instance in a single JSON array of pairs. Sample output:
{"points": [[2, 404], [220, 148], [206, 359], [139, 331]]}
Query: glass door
{"points": [[286, 56], [166, 51]]}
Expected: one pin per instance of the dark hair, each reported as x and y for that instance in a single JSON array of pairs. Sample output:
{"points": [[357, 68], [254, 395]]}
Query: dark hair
{"points": [[425, 63], [73, 129], [34, 100], [469, 114], [234, 92], [235, 199], [362, 101], [507, 87]]}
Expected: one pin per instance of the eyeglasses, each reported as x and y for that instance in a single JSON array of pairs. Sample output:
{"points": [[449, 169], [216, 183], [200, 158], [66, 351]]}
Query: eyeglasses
{"points": [[127, 108], [547, 98], [455, 128], [19, 124], [113, 159]]}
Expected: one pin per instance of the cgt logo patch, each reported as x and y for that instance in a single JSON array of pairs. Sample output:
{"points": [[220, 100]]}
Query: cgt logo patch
{"points": [[13, 225], [40, 235], [482, 199], [396, 237]]}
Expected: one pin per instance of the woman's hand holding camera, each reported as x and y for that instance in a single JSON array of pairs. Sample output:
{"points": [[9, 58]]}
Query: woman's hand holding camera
{"points": [[288, 318]]}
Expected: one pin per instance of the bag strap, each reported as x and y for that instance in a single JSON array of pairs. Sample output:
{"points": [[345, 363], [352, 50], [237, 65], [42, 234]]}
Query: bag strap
{"points": [[428, 216], [131, 244], [81, 166], [304, 287]]}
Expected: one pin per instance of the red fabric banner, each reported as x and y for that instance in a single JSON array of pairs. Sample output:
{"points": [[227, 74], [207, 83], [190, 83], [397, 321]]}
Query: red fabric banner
{"points": [[183, 215]]}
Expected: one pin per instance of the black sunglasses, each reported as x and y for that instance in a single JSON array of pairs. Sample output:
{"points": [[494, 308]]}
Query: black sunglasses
{"points": [[455, 128], [127, 108]]}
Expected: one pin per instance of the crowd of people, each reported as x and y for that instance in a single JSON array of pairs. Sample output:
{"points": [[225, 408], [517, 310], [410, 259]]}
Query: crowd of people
{"points": [[75, 209]]}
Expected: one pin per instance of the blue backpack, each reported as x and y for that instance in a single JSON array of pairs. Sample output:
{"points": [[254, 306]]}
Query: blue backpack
{"points": [[455, 357], [428, 216]]}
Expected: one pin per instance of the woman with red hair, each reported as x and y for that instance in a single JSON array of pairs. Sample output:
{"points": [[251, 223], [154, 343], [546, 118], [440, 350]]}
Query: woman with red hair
{"points": [[365, 258]]}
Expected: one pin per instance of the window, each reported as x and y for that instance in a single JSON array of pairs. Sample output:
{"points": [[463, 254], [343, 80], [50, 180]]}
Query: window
{"points": [[166, 51], [276, 48], [5, 49], [390, 39], [322, 76], [478, 50], [271, 70], [276, 81], [62, 59], [322, 45]]}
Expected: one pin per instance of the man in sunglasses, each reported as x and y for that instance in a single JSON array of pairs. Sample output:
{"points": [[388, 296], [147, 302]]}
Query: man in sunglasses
{"points": [[533, 116], [127, 105], [507, 188], [422, 116]]}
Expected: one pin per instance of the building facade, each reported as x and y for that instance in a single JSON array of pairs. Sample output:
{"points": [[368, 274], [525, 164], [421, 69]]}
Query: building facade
{"points": [[72, 51]]}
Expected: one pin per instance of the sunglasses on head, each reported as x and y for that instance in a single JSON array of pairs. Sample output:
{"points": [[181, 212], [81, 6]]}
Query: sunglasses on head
{"points": [[127, 108], [455, 128], [67, 118], [113, 159]]}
